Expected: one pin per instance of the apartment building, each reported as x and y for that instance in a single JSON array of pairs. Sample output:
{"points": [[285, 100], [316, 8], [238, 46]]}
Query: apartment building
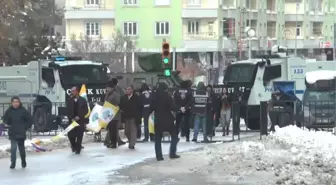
{"points": [[207, 25]]}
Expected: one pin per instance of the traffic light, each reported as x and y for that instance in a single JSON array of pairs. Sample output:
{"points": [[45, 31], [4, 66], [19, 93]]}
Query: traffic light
{"points": [[166, 58]]}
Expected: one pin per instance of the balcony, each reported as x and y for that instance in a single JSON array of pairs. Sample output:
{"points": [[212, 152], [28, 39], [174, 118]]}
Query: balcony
{"points": [[203, 41], [229, 4], [233, 45], [199, 9], [92, 12], [303, 43]]}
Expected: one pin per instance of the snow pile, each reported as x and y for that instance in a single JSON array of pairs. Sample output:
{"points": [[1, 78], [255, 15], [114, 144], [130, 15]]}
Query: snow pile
{"points": [[44, 144], [288, 156], [313, 76]]}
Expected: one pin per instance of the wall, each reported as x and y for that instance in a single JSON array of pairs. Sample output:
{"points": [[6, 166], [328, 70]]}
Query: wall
{"points": [[146, 14]]}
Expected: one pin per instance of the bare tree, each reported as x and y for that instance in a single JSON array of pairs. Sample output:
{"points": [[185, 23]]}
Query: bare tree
{"points": [[120, 45], [85, 46], [111, 50]]}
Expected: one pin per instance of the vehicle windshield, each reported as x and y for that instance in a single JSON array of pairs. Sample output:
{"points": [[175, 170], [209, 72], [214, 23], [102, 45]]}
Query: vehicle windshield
{"points": [[83, 74], [239, 73], [322, 96]]}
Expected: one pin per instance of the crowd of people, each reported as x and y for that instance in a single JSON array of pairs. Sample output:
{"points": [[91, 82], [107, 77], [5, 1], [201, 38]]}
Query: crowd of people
{"points": [[174, 113]]}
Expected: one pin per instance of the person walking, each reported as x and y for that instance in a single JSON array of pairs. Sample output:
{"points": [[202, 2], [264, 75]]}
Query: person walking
{"points": [[121, 92], [225, 112], [184, 101], [19, 121], [77, 109], [113, 97], [163, 107], [212, 105], [130, 107], [146, 98], [200, 110]]}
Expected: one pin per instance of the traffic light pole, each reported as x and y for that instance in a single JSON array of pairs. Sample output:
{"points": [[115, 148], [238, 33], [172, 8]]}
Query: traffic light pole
{"points": [[174, 59]]}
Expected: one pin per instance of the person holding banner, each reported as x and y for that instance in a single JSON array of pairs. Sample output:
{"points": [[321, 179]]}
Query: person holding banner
{"points": [[113, 97], [77, 109], [163, 107]]}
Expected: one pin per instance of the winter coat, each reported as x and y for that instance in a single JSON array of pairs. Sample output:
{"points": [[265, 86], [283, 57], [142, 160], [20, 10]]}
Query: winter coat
{"points": [[131, 108], [163, 107], [114, 98], [146, 99], [19, 121], [79, 109]]}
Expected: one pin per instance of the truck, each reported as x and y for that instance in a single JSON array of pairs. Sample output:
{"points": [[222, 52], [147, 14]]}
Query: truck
{"points": [[252, 80], [45, 85], [319, 99]]}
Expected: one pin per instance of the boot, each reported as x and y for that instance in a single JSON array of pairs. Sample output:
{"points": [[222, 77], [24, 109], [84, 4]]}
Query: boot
{"points": [[227, 130], [12, 166], [24, 163], [174, 156], [120, 142], [223, 130]]}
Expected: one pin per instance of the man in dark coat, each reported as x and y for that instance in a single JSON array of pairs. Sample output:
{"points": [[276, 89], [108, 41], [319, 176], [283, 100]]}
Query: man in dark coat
{"points": [[77, 109], [163, 107], [183, 99], [113, 97], [121, 92], [130, 106]]}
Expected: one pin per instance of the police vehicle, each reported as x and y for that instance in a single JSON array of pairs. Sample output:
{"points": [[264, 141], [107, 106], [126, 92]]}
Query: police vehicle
{"points": [[251, 81], [150, 78], [47, 84], [319, 99]]}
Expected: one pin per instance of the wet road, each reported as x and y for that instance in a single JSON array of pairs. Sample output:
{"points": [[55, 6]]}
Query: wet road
{"points": [[94, 166], [91, 167]]}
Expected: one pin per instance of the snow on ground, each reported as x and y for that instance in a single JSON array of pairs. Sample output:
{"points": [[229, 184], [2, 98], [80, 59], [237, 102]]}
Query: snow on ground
{"points": [[290, 156], [45, 143]]}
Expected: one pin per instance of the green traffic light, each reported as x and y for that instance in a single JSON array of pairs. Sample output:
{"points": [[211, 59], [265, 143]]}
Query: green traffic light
{"points": [[166, 60], [167, 72]]}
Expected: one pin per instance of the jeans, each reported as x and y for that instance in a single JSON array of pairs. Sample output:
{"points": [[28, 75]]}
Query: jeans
{"points": [[173, 143], [225, 117], [200, 121], [17, 144]]}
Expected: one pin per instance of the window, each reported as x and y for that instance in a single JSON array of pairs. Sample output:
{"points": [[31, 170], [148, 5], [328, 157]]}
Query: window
{"points": [[48, 76], [92, 29], [240, 73], [162, 28], [162, 2], [211, 28], [193, 27], [130, 29], [92, 2], [272, 72], [298, 31], [87, 74], [130, 2], [229, 28]]}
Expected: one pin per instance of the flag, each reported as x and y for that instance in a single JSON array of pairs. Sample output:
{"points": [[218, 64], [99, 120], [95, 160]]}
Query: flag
{"points": [[107, 114], [94, 119], [64, 132], [151, 124], [83, 94]]}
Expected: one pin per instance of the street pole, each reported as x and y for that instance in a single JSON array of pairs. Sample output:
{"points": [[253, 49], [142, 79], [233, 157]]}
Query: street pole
{"points": [[250, 25], [174, 59], [296, 25]]}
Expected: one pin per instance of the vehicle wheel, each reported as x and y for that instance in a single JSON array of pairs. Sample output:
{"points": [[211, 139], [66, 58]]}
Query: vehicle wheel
{"points": [[253, 123], [40, 118]]}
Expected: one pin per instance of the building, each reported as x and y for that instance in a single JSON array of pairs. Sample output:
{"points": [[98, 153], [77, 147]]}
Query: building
{"points": [[207, 25]]}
